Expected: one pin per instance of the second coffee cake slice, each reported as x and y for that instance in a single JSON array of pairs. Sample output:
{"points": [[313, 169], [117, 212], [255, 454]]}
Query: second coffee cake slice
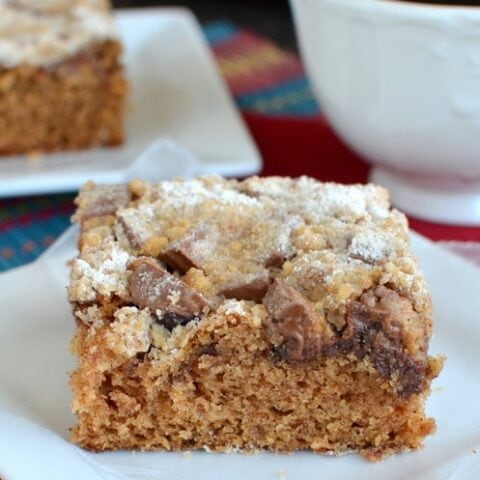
{"points": [[62, 85]]}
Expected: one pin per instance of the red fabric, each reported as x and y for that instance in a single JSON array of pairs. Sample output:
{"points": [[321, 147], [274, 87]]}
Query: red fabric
{"points": [[297, 146]]}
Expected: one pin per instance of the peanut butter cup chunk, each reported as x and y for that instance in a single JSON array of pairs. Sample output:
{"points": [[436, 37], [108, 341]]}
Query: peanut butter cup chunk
{"points": [[98, 201], [250, 287], [166, 296], [192, 250], [369, 334], [276, 258], [280, 314], [304, 331]]}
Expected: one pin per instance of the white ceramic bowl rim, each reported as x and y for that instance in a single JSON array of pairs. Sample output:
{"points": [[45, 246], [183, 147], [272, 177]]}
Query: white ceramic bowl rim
{"points": [[409, 9]]}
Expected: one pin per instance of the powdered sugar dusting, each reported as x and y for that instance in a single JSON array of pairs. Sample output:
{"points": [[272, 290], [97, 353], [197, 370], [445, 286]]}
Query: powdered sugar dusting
{"points": [[194, 192], [239, 234], [46, 32], [232, 307], [316, 201], [103, 273], [371, 246], [349, 202]]}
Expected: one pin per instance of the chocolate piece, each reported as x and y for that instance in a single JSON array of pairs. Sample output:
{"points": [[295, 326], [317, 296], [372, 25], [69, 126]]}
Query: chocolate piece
{"points": [[251, 287], [281, 236], [415, 338], [180, 254], [178, 260], [132, 235], [103, 200], [275, 259], [169, 298], [192, 250], [304, 330], [363, 325], [368, 333], [172, 320]]}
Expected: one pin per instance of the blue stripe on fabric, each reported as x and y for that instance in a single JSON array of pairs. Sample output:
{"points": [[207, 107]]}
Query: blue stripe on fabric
{"points": [[219, 31], [35, 232], [295, 98]]}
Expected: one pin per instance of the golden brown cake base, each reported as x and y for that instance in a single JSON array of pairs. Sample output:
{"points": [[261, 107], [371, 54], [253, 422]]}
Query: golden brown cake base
{"points": [[224, 393], [75, 104], [277, 314]]}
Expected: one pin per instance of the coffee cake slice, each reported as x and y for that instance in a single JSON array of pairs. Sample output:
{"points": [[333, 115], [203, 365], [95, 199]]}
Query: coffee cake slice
{"points": [[270, 313], [61, 82]]}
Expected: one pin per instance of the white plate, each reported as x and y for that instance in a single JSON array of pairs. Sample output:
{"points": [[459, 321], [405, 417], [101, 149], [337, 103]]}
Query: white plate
{"points": [[176, 92], [36, 326]]}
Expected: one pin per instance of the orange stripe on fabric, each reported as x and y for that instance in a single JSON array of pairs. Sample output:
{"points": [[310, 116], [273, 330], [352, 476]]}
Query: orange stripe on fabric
{"points": [[262, 59]]}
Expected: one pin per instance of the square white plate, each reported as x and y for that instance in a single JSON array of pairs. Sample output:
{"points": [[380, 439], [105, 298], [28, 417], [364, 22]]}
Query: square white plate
{"points": [[35, 329], [176, 92]]}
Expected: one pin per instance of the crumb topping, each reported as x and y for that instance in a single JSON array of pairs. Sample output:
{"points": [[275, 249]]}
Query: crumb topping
{"points": [[181, 249], [101, 271], [129, 333], [329, 241], [44, 32]]}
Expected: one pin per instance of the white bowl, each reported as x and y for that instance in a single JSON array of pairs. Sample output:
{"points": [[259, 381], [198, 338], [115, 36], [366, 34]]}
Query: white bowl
{"points": [[400, 83]]}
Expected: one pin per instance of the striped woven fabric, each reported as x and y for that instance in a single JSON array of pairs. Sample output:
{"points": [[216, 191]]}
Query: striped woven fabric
{"points": [[28, 225], [262, 77]]}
